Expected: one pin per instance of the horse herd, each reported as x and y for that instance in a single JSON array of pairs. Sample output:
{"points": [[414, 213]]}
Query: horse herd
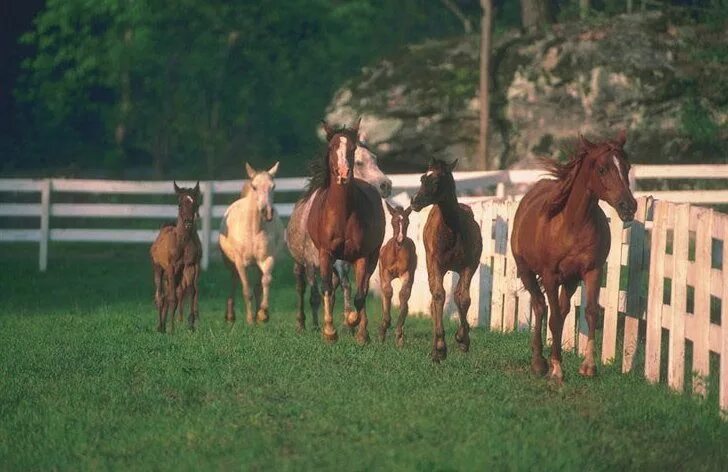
{"points": [[560, 236]]}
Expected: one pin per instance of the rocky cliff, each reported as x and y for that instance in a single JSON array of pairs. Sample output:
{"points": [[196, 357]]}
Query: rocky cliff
{"points": [[640, 72]]}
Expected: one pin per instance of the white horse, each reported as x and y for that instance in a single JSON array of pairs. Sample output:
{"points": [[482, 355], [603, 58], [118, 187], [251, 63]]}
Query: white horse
{"points": [[251, 235]]}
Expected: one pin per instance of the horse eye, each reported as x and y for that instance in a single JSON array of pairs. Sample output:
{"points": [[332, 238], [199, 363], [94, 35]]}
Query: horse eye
{"points": [[602, 170], [253, 187], [359, 163]]}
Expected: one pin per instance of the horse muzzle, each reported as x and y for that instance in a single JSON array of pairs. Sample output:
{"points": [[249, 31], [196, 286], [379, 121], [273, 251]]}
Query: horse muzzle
{"points": [[626, 210], [385, 188], [342, 180]]}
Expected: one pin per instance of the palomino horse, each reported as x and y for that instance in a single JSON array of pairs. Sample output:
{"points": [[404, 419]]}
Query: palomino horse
{"points": [[398, 259], [251, 234], [176, 257], [452, 242], [346, 222], [304, 253], [561, 236]]}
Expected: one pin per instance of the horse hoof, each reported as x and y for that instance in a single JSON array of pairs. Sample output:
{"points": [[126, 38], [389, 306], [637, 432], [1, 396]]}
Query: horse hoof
{"points": [[352, 319], [439, 355], [160, 329], [399, 341], [250, 321], [538, 367], [382, 335], [330, 336], [464, 347], [300, 328], [587, 370], [362, 339], [262, 316]]}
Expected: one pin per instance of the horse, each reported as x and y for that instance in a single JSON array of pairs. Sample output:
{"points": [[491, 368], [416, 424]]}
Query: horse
{"points": [[251, 234], [561, 236], [397, 259], [176, 254], [346, 222], [304, 253], [452, 242]]}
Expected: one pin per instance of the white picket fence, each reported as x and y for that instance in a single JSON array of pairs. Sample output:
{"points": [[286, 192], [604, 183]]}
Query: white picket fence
{"points": [[683, 244]]}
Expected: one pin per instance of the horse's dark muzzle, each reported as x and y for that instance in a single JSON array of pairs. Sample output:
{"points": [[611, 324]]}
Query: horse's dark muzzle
{"points": [[626, 210]]}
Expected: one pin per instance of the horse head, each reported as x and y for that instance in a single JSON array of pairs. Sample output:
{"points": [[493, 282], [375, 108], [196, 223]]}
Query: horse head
{"points": [[435, 185], [366, 168], [188, 201], [341, 150], [400, 221], [262, 185], [609, 176]]}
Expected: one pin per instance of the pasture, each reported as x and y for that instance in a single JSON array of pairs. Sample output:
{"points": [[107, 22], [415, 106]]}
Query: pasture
{"points": [[87, 383]]}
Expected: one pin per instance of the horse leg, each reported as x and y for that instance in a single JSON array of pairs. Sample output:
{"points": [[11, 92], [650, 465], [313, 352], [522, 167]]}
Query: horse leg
{"points": [[171, 298], [335, 281], [364, 268], [462, 299], [230, 311], [538, 306], [437, 290], [266, 275], [385, 280], [194, 296], [314, 296], [247, 294], [158, 295], [299, 273], [404, 294], [329, 331], [556, 325], [588, 368], [342, 270]]}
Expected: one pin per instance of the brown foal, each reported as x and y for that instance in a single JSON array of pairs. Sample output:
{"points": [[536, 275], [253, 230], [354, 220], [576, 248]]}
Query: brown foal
{"points": [[397, 259], [452, 242], [176, 257]]}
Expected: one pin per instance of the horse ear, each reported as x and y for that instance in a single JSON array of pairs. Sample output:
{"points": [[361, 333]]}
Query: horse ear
{"points": [[197, 188], [622, 137], [357, 125], [452, 165], [330, 132], [176, 188], [272, 171], [585, 141], [390, 208], [249, 170], [408, 211]]}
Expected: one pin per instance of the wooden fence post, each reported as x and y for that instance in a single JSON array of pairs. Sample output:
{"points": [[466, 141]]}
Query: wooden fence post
{"points": [[655, 292], [207, 192], [723, 396], [701, 305], [678, 297], [45, 213]]}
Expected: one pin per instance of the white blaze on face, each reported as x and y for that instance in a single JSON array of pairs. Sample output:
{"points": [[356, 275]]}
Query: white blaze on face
{"points": [[341, 157], [187, 197], [430, 172], [619, 171]]}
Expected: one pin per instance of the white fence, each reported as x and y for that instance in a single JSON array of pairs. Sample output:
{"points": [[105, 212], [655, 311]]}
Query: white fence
{"points": [[668, 270], [45, 209]]}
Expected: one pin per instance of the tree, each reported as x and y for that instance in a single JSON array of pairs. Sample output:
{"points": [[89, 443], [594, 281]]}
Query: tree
{"points": [[486, 35], [535, 14]]}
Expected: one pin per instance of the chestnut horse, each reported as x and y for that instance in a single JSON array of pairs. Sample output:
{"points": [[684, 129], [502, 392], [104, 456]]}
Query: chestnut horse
{"points": [[398, 259], [346, 222], [452, 242], [175, 255], [561, 236]]}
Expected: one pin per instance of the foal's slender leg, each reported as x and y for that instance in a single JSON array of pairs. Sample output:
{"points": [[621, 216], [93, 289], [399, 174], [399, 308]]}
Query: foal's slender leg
{"points": [[538, 306], [385, 280], [565, 294], [247, 294], [230, 311], [556, 324], [404, 294], [171, 298], [437, 290], [462, 299], [344, 268], [158, 295], [299, 273], [329, 331], [266, 275], [194, 295], [591, 282], [364, 268], [314, 296]]}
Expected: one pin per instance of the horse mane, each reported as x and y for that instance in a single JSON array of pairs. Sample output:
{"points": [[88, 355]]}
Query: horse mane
{"points": [[565, 175], [319, 169]]}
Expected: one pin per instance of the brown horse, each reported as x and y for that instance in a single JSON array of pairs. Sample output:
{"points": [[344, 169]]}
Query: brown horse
{"points": [[398, 259], [176, 257], [346, 222], [561, 236], [452, 242]]}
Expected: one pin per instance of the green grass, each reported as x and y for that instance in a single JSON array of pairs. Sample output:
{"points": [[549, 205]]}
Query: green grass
{"points": [[86, 383]]}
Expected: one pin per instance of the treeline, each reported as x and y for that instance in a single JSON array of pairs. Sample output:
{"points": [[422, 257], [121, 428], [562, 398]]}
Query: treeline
{"points": [[195, 87]]}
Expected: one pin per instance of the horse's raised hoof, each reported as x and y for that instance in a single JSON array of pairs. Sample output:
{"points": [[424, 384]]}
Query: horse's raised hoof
{"points": [[263, 315], [539, 367], [587, 370], [330, 335], [352, 319]]}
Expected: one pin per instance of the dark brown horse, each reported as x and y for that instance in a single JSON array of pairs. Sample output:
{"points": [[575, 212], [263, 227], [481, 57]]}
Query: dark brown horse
{"points": [[561, 236], [346, 222], [452, 242], [176, 257], [398, 259]]}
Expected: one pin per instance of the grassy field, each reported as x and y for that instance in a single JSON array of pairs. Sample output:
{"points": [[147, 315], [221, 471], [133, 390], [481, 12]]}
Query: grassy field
{"points": [[87, 383]]}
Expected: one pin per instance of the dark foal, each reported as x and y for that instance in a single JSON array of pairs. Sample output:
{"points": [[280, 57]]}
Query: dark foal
{"points": [[176, 255], [452, 242], [346, 222], [397, 259], [561, 236]]}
